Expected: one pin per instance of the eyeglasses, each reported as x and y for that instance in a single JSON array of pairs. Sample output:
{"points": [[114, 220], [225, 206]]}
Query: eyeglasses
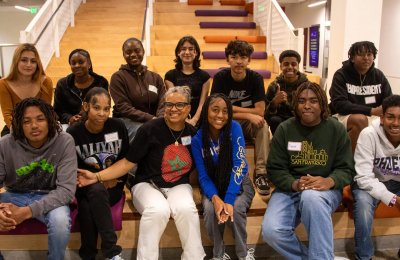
{"points": [[179, 105]]}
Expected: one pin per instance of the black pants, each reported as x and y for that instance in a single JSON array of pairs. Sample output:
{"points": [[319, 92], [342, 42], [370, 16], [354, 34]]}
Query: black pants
{"points": [[95, 218]]}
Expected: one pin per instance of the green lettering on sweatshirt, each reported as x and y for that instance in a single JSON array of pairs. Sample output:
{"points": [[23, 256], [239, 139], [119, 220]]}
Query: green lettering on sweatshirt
{"points": [[43, 164]]}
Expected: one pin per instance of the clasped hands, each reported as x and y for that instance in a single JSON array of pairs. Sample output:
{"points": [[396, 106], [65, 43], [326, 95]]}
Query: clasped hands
{"points": [[11, 215], [309, 182], [223, 211]]}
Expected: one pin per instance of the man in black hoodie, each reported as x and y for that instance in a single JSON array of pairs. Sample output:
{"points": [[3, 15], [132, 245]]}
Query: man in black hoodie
{"points": [[358, 89]]}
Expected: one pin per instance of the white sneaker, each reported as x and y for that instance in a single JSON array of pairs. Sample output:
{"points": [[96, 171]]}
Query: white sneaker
{"points": [[249, 256], [224, 257], [116, 257], [340, 258]]}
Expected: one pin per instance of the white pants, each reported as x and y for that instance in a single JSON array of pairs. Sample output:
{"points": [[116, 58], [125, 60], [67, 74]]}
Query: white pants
{"points": [[156, 211]]}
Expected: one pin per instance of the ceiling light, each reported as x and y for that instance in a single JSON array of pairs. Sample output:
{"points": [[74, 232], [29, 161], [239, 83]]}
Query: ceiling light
{"points": [[317, 3], [22, 8]]}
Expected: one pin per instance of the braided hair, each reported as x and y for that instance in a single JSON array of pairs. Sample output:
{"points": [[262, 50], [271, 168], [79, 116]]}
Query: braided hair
{"points": [[18, 117], [220, 173]]}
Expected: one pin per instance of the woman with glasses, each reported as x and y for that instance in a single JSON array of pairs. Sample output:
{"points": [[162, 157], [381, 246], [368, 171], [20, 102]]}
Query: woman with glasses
{"points": [[71, 90], [187, 72], [136, 91], [219, 152], [26, 79], [161, 189]]}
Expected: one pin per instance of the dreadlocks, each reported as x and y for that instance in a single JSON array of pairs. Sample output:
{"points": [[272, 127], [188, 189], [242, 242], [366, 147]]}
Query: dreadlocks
{"points": [[18, 117], [220, 173], [360, 47], [319, 92]]}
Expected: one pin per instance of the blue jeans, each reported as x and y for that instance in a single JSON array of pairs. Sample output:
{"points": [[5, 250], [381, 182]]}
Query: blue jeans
{"points": [[58, 221], [313, 208], [364, 209]]}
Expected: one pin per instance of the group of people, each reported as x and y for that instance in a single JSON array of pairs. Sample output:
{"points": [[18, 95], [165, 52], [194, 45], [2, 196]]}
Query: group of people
{"points": [[161, 131]]}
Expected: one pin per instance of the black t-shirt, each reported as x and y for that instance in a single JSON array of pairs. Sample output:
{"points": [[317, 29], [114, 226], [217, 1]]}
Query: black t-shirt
{"points": [[243, 93], [96, 152], [195, 81], [158, 158]]}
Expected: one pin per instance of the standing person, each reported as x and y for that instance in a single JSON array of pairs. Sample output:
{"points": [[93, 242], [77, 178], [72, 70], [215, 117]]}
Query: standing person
{"points": [[72, 89], [38, 169], [309, 164], [161, 189], [245, 89], [280, 92], [219, 153], [100, 141], [358, 89], [378, 176], [187, 72], [26, 79], [137, 92]]}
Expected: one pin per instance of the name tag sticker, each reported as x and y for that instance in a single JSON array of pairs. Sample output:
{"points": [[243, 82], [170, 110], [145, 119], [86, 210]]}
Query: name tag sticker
{"points": [[111, 137], [153, 89], [186, 140], [370, 100], [247, 103], [294, 146]]}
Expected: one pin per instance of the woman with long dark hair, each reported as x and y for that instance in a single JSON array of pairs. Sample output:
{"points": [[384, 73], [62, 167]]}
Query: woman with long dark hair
{"points": [[219, 153], [100, 141], [71, 90]]}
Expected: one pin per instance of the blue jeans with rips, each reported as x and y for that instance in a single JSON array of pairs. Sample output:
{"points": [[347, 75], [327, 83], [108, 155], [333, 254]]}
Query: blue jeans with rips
{"points": [[58, 221], [364, 209], [313, 208]]}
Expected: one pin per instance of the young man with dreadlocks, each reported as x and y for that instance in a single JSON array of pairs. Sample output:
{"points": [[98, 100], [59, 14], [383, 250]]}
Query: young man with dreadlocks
{"points": [[358, 89], [245, 89], [38, 169], [309, 164], [219, 153]]}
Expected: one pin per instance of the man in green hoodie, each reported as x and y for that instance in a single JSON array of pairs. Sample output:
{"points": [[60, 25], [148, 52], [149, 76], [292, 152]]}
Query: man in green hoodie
{"points": [[278, 98]]}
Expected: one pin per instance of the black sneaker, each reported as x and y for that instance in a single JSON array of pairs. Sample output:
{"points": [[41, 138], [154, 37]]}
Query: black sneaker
{"points": [[262, 186]]}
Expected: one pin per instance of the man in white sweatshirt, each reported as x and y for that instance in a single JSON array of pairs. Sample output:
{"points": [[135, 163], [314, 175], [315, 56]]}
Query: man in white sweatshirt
{"points": [[377, 163]]}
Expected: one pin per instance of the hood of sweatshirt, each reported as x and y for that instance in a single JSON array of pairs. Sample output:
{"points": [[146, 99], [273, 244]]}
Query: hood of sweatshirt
{"points": [[290, 85], [132, 70], [37, 151], [349, 66]]}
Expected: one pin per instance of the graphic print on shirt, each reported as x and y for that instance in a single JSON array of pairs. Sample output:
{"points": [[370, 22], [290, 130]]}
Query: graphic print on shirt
{"points": [[99, 155], [238, 170], [389, 165], [37, 175], [176, 162], [309, 156], [364, 90], [238, 95]]}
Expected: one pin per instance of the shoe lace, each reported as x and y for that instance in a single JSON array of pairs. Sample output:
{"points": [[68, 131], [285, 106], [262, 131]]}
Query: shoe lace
{"points": [[261, 180], [250, 254], [226, 257]]}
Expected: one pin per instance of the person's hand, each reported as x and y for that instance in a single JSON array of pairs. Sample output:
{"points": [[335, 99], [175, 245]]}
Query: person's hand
{"points": [[219, 209], [280, 97], [6, 222], [74, 119], [110, 184], [19, 214], [86, 178], [257, 120], [316, 183], [228, 209], [191, 121], [377, 111]]}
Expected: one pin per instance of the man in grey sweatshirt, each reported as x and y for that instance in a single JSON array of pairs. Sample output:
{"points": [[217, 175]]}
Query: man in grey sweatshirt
{"points": [[38, 170]]}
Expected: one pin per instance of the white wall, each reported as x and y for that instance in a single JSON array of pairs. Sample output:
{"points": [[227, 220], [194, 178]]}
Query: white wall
{"points": [[389, 49], [303, 16]]}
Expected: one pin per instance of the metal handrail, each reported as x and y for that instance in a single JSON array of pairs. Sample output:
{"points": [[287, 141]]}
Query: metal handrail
{"points": [[144, 20], [48, 22]]}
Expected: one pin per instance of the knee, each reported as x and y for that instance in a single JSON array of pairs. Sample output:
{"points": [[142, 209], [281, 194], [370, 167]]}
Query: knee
{"points": [[271, 231], [185, 209], [59, 221], [96, 190], [312, 200], [157, 212], [357, 122], [364, 206]]}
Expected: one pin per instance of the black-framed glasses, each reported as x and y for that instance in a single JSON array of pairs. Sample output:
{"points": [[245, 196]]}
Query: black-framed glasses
{"points": [[179, 105]]}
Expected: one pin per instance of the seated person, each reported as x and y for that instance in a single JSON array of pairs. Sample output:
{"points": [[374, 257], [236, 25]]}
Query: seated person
{"points": [[137, 92], [72, 89], [378, 178], [245, 88], [161, 189], [38, 170], [187, 72], [109, 138], [358, 89], [309, 164], [219, 153], [279, 95], [26, 79]]}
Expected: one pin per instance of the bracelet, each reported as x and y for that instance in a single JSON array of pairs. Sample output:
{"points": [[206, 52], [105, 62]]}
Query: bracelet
{"points": [[393, 201], [98, 177]]}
